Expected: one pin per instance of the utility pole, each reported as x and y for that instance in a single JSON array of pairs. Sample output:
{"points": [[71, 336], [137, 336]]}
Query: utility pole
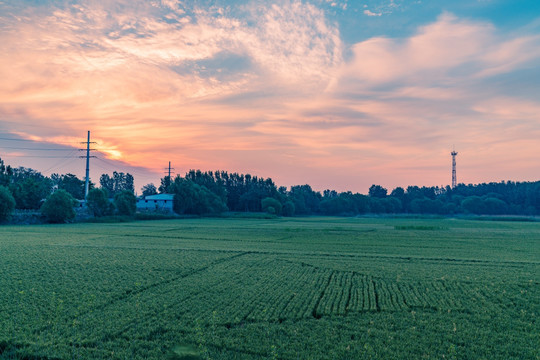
{"points": [[87, 180]]}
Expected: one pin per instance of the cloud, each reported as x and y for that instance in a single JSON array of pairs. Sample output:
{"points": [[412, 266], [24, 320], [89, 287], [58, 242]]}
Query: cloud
{"points": [[371, 13], [265, 88], [139, 71], [447, 51]]}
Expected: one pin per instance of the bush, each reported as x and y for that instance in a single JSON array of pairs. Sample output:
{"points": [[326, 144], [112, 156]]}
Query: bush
{"points": [[271, 206], [288, 208], [126, 203], [58, 207], [98, 203], [7, 203]]}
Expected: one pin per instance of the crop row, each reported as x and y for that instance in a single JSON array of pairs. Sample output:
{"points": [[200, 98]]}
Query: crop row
{"points": [[203, 291]]}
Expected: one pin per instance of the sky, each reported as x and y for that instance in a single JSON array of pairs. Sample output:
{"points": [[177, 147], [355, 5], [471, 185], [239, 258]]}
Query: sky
{"points": [[332, 93]]}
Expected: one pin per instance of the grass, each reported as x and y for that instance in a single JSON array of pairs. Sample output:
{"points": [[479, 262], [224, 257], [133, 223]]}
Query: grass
{"points": [[254, 288]]}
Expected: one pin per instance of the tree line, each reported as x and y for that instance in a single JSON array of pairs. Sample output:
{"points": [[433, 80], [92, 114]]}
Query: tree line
{"points": [[214, 192], [58, 195]]}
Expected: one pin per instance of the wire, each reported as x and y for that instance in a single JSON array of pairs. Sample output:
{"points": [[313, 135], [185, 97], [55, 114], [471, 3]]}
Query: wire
{"points": [[33, 126], [41, 156], [40, 141], [1, 138], [116, 167], [59, 165], [36, 149]]}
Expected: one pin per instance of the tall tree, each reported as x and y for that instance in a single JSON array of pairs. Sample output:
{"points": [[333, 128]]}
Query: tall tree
{"points": [[29, 187], [6, 173], [377, 191], [70, 183], [117, 183], [149, 189]]}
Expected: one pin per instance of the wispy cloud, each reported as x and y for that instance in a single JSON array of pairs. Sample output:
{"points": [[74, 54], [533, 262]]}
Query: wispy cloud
{"points": [[265, 87], [371, 13]]}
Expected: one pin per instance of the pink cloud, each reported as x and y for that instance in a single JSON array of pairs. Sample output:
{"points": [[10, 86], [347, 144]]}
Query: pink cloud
{"points": [[437, 51], [156, 90]]}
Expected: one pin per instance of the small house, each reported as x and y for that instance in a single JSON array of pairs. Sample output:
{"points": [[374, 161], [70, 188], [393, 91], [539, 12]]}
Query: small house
{"points": [[159, 202]]}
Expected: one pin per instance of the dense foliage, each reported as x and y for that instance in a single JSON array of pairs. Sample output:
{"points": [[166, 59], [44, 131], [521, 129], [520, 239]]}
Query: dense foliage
{"points": [[247, 193], [149, 189], [117, 183], [271, 206], [126, 203], [58, 207], [98, 203], [296, 288], [192, 198], [7, 203], [70, 183], [29, 188], [213, 192]]}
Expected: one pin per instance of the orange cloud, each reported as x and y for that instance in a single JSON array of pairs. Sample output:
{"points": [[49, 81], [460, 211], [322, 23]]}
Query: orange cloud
{"points": [[270, 93]]}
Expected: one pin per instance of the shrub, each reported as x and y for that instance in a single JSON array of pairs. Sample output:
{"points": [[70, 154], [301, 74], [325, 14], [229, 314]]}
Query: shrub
{"points": [[58, 207], [288, 208], [271, 206], [98, 203], [126, 203], [7, 203]]}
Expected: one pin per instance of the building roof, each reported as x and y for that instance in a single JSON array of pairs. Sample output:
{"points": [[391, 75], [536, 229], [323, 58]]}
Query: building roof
{"points": [[160, 197]]}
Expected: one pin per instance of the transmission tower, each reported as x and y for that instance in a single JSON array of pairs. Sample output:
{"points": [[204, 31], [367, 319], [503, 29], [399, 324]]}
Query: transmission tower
{"points": [[454, 178], [87, 180]]}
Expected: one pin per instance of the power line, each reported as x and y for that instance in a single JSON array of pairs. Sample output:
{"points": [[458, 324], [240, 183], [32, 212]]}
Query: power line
{"points": [[42, 156], [10, 139], [60, 164], [33, 126], [36, 141], [115, 166], [36, 149]]}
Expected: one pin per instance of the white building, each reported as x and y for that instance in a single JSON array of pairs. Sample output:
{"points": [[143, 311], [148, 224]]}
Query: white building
{"points": [[160, 202]]}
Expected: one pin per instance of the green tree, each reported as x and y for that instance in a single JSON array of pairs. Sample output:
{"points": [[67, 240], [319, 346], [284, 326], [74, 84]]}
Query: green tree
{"points": [[427, 206], [29, 187], [288, 208], [495, 206], [268, 203], [117, 183], [149, 189], [126, 203], [474, 204], [71, 183], [339, 205], [7, 203], [306, 201], [6, 173], [98, 202], [377, 191], [191, 198], [165, 187], [58, 207], [392, 205], [398, 193], [29, 193]]}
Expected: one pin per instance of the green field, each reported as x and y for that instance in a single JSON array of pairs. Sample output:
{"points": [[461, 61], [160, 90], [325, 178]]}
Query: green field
{"points": [[302, 288]]}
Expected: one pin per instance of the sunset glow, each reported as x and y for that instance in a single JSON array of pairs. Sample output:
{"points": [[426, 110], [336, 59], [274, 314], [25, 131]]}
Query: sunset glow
{"points": [[336, 94]]}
